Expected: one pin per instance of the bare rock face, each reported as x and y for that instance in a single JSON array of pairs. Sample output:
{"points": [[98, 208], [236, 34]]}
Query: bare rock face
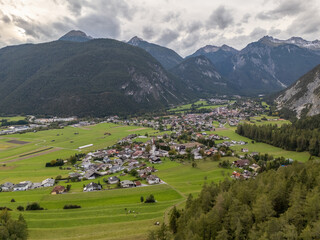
{"points": [[304, 96]]}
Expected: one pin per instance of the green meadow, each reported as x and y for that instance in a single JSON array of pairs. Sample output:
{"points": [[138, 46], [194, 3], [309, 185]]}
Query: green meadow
{"points": [[110, 213]]}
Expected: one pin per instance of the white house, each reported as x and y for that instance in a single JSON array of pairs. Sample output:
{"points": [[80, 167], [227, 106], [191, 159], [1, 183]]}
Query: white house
{"points": [[127, 184], [153, 179], [92, 187], [7, 187], [21, 187], [49, 182]]}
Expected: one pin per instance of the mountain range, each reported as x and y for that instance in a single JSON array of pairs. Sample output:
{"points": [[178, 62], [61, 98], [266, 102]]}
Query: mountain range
{"points": [[79, 75], [97, 77], [262, 67]]}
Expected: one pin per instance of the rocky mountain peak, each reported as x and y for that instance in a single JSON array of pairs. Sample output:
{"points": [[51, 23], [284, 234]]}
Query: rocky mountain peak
{"points": [[135, 41]]}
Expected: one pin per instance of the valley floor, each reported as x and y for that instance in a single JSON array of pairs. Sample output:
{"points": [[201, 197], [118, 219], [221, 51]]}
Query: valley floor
{"points": [[107, 214]]}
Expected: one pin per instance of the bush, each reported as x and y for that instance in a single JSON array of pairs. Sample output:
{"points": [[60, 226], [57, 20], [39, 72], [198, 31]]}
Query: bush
{"points": [[150, 199], [70, 206], [5, 208], [20, 208], [12, 200], [33, 206]]}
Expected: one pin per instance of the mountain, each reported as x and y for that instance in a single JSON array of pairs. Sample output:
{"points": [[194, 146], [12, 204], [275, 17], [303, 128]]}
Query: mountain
{"points": [[303, 97], [270, 65], [201, 76], [219, 56], [98, 77], [167, 57], [298, 41], [75, 36]]}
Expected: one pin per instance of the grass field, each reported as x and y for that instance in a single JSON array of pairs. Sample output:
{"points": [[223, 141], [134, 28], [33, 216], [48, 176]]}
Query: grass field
{"points": [[198, 105], [104, 214], [262, 147]]}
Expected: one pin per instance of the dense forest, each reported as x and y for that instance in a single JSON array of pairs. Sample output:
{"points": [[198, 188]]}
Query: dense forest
{"points": [[278, 204], [302, 135]]}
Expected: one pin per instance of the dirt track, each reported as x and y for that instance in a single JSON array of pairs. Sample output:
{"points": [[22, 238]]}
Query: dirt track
{"points": [[32, 155]]}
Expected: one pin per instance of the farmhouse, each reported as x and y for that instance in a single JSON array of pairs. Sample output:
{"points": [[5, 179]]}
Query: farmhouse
{"points": [[49, 182], [241, 163], [153, 179], [113, 180], [127, 184], [7, 187], [92, 187], [21, 186], [58, 190]]}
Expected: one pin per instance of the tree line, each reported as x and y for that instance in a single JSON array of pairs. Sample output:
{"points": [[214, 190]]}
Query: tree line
{"points": [[299, 136], [278, 204]]}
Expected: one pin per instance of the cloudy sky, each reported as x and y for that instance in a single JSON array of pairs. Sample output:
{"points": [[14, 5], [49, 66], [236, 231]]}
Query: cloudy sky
{"points": [[183, 25]]}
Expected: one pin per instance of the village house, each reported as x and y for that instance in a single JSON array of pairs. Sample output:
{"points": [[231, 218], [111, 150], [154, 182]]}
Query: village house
{"points": [[21, 186], [241, 163], [113, 180], [49, 182], [153, 179], [7, 187], [58, 190], [127, 184], [92, 187]]}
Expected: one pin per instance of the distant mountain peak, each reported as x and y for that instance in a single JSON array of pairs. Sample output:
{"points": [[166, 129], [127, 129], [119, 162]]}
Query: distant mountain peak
{"points": [[298, 41], [135, 41], [75, 36]]}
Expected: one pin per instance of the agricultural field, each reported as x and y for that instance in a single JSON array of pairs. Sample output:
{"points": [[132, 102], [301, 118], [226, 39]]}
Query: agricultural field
{"points": [[197, 105], [103, 213], [261, 147], [110, 213]]}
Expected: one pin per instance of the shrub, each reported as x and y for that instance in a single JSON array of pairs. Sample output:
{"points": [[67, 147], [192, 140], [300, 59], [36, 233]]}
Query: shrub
{"points": [[70, 206], [12, 200], [20, 208], [5, 208], [150, 199], [33, 206]]}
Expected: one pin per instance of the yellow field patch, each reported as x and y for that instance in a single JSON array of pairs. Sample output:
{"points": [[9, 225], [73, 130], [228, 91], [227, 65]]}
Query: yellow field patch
{"points": [[4, 146]]}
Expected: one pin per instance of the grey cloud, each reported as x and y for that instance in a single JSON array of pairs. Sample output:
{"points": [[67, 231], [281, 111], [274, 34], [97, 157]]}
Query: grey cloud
{"points": [[171, 16], [194, 26], [148, 32], [190, 41], [75, 6], [32, 28], [100, 26], [258, 33], [274, 31], [307, 23], [4, 17], [168, 36], [245, 18], [221, 18], [285, 8]]}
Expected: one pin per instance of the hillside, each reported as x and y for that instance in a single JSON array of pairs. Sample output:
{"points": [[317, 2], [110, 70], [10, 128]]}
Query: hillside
{"points": [[280, 204], [303, 97], [200, 75], [167, 57], [97, 77]]}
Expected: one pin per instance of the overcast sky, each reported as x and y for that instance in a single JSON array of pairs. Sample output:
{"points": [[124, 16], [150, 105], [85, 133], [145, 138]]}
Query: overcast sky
{"points": [[183, 25]]}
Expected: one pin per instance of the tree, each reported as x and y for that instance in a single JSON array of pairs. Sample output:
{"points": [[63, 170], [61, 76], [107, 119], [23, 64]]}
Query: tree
{"points": [[150, 199], [175, 214], [194, 164], [141, 199], [12, 229]]}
